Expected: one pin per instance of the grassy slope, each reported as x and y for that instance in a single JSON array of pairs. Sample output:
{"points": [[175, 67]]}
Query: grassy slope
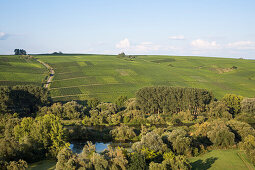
{"points": [[43, 165], [222, 159], [107, 77], [16, 70]]}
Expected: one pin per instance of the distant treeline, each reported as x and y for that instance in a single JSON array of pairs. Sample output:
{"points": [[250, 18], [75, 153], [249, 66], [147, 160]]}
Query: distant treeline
{"points": [[173, 99]]}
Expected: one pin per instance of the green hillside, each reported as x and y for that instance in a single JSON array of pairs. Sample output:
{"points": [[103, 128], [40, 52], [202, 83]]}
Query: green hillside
{"points": [[222, 159], [107, 77], [20, 70]]}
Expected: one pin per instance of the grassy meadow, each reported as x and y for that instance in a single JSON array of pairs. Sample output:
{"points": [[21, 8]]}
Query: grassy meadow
{"points": [[222, 159], [18, 70], [107, 77]]}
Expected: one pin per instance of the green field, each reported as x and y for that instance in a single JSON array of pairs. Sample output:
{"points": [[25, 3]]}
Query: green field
{"points": [[18, 70], [222, 159], [107, 77], [80, 77], [43, 165]]}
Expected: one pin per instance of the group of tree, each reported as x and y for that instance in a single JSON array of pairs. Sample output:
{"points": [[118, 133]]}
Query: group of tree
{"points": [[124, 56], [30, 139], [23, 100], [172, 100], [20, 52], [32, 128], [57, 53]]}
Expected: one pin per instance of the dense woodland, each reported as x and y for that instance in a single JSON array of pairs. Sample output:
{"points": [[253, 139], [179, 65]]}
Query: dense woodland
{"points": [[167, 125]]}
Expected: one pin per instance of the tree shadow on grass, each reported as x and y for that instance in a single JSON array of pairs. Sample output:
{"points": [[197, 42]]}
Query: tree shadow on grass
{"points": [[202, 165]]}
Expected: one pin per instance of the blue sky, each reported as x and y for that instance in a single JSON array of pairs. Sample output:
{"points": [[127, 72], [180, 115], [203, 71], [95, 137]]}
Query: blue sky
{"points": [[223, 28]]}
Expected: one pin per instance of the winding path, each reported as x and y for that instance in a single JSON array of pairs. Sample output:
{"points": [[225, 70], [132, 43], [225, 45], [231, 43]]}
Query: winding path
{"points": [[51, 70]]}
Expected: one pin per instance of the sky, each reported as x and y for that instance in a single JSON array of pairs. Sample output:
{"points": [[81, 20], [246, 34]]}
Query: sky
{"points": [[220, 28]]}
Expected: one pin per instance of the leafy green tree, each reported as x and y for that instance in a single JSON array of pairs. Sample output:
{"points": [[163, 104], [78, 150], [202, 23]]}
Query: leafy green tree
{"points": [[219, 109], [180, 141], [233, 103], [19, 165], [99, 162], [248, 145], [172, 100], [46, 130], [248, 105], [221, 136], [123, 132], [20, 52], [152, 141], [92, 103], [180, 162], [240, 129], [23, 100], [137, 161], [120, 102]]}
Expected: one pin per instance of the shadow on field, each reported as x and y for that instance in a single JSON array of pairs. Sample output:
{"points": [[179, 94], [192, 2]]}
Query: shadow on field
{"points": [[200, 164]]}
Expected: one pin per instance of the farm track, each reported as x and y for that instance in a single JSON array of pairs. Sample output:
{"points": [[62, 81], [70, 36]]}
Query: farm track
{"points": [[52, 72]]}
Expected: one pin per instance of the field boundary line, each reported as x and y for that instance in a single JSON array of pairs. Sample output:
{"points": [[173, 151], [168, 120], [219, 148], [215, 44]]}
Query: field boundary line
{"points": [[83, 94], [73, 78], [78, 77], [85, 85], [245, 162]]}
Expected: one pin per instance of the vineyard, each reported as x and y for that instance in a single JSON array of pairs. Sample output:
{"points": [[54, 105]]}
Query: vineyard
{"points": [[19, 70], [80, 77]]}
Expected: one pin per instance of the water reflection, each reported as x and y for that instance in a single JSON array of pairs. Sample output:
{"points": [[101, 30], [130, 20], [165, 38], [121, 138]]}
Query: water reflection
{"points": [[77, 147]]}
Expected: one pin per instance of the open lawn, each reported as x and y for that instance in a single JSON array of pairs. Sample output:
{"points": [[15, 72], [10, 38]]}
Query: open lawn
{"points": [[222, 159], [81, 77], [43, 165], [18, 70]]}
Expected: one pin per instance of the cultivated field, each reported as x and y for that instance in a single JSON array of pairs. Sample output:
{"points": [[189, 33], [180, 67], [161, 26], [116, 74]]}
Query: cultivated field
{"points": [[18, 70], [107, 77], [81, 77], [222, 159]]}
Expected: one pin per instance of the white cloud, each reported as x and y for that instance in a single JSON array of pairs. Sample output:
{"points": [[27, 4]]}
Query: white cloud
{"points": [[202, 44], [123, 44], [242, 45], [177, 37], [3, 36], [146, 47]]}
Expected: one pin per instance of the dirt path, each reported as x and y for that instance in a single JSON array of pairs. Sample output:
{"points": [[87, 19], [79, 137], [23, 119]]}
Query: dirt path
{"points": [[51, 70]]}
